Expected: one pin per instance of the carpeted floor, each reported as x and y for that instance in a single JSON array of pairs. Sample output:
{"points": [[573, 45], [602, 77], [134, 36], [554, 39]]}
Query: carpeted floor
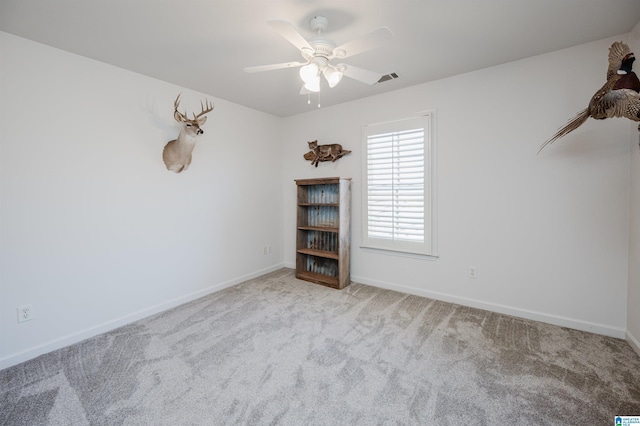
{"points": [[279, 351]]}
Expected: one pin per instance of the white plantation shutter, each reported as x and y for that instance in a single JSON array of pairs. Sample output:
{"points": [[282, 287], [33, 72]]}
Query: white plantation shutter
{"points": [[395, 164], [397, 178]]}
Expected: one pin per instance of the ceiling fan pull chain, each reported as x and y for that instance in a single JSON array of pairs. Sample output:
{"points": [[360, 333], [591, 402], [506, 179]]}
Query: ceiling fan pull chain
{"points": [[309, 98]]}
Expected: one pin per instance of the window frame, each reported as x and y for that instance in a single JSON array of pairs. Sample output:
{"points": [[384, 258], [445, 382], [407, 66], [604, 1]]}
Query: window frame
{"points": [[427, 248]]}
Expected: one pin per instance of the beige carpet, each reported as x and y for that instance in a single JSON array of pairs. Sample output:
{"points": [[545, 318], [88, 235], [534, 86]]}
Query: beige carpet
{"points": [[276, 350]]}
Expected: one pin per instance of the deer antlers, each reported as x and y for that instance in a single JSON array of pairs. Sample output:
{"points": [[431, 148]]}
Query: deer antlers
{"points": [[209, 108]]}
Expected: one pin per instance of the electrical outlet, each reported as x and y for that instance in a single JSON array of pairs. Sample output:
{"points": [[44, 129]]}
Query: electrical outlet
{"points": [[266, 249], [473, 272], [25, 313]]}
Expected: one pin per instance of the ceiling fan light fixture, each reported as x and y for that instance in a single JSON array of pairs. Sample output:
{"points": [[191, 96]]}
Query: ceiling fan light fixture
{"points": [[313, 85], [333, 76], [309, 72]]}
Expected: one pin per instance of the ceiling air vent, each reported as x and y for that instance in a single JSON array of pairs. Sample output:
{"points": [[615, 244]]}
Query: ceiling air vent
{"points": [[388, 77]]}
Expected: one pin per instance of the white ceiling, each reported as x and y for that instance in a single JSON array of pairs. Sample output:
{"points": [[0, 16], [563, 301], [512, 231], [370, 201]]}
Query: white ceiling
{"points": [[205, 44]]}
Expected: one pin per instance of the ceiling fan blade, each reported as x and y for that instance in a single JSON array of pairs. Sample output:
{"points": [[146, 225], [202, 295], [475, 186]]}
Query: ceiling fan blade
{"points": [[261, 68], [289, 32], [365, 76], [362, 44]]}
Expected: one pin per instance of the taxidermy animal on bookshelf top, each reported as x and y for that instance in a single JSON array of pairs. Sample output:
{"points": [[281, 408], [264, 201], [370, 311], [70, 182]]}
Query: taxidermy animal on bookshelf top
{"points": [[177, 153], [619, 97], [324, 152]]}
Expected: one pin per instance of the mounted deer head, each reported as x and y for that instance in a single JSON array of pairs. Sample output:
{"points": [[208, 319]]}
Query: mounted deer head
{"points": [[177, 153]]}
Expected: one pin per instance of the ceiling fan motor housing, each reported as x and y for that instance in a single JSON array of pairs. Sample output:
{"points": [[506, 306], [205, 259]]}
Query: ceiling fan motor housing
{"points": [[322, 46]]}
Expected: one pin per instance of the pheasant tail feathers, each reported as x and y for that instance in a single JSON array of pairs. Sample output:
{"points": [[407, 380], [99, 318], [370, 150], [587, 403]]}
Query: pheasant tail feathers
{"points": [[573, 124]]}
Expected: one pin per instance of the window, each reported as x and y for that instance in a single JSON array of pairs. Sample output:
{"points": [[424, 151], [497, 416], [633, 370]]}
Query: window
{"points": [[398, 178]]}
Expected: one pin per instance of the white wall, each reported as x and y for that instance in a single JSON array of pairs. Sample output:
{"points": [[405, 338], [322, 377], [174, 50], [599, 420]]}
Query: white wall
{"points": [[95, 232], [633, 292], [548, 233]]}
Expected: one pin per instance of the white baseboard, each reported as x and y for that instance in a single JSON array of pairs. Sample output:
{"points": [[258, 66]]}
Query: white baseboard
{"points": [[633, 341], [124, 320], [502, 309]]}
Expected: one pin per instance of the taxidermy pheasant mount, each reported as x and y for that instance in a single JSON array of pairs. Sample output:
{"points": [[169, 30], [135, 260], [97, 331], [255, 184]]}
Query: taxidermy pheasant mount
{"points": [[619, 97]]}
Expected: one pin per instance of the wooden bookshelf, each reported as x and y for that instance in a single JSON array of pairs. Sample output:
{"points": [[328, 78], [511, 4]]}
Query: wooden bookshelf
{"points": [[323, 241]]}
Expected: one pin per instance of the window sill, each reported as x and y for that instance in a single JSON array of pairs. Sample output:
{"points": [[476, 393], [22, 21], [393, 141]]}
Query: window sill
{"points": [[400, 253]]}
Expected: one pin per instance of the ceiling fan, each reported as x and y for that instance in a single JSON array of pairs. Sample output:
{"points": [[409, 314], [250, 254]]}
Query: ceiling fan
{"points": [[319, 51]]}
